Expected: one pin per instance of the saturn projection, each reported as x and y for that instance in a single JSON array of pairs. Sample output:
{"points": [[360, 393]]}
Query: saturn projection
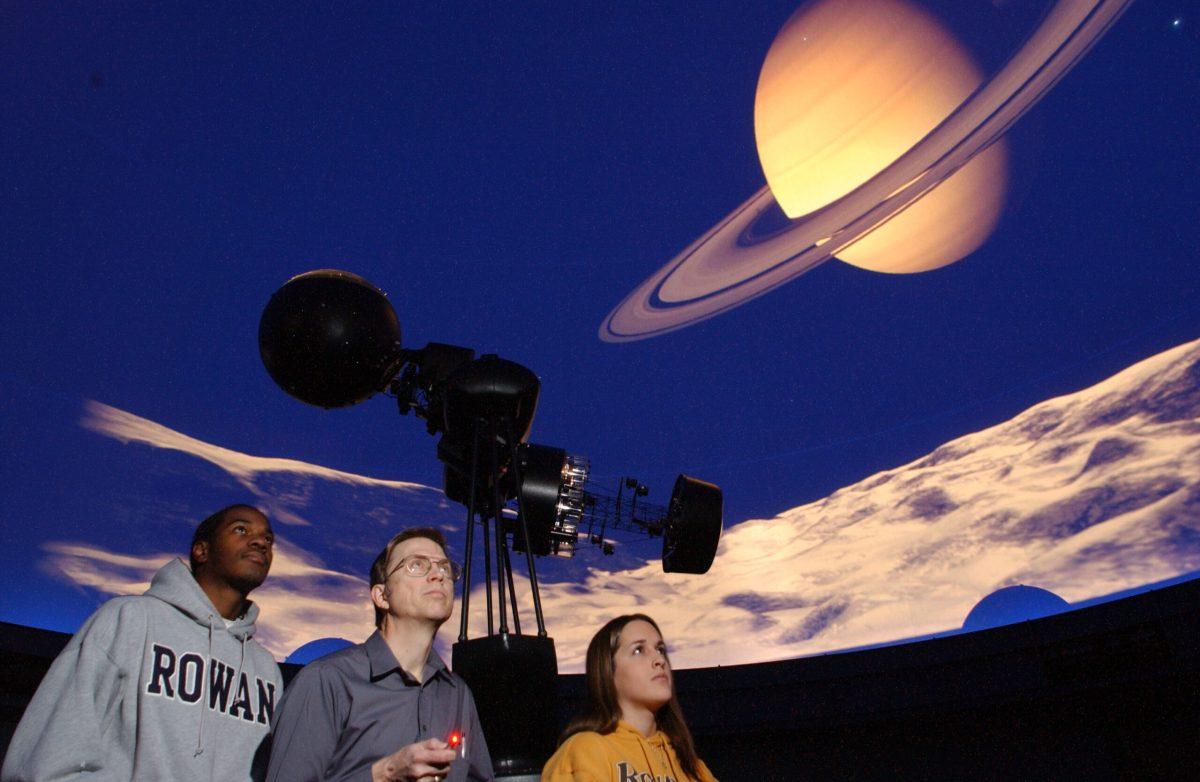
{"points": [[880, 142]]}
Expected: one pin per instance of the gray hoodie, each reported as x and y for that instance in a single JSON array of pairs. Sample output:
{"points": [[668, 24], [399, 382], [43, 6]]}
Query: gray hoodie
{"points": [[152, 687]]}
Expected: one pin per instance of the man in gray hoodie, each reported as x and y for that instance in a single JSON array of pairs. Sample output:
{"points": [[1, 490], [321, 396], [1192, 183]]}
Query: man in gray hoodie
{"points": [[167, 685]]}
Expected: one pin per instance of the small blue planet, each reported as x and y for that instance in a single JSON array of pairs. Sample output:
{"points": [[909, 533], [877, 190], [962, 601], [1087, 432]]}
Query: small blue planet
{"points": [[1013, 604], [314, 650]]}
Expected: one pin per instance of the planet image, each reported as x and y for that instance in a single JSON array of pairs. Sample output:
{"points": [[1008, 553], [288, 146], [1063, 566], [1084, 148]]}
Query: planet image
{"points": [[848, 86], [880, 141], [1012, 604], [315, 650]]}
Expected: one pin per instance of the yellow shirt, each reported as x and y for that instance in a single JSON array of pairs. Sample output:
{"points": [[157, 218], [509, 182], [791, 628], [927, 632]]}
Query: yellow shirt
{"points": [[624, 755]]}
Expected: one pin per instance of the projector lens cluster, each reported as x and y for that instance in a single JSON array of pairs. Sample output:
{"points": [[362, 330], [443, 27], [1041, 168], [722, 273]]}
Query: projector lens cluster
{"points": [[564, 535]]}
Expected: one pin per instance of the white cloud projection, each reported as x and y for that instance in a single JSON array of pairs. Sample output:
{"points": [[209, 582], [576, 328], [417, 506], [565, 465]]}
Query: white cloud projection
{"points": [[248, 470], [299, 602], [1084, 495]]}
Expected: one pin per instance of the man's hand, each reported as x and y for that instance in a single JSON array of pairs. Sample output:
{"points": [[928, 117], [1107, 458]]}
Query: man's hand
{"points": [[427, 761]]}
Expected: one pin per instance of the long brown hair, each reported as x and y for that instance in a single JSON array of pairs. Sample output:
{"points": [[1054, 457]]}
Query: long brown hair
{"points": [[601, 712]]}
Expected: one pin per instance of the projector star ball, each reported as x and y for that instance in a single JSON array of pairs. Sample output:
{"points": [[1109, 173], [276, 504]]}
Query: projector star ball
{"points": [[880, 139]]}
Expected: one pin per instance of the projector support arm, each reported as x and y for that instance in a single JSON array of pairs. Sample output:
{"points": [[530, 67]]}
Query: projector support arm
{"points": [[491, 517], [524, 527], [503, 567], [466, 593]]}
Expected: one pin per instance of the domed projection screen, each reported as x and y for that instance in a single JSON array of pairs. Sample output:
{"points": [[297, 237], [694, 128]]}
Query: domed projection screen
{"points": [[914, 283]]}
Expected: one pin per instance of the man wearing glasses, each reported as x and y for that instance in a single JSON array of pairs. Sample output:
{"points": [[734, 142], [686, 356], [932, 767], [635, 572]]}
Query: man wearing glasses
{"points": [[389, 708]]}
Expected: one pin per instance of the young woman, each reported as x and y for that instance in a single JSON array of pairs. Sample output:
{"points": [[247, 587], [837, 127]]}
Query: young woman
{"points": [[632, 725]]}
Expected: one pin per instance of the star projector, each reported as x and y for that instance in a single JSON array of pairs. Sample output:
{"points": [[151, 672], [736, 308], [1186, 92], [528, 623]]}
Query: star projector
{"points": [[332, 339]]}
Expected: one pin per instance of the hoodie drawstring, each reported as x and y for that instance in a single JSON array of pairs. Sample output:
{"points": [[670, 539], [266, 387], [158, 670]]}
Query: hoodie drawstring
{"points": [[671, 762], [641, 740], [662, 743], [208, 660], [237, 677]]}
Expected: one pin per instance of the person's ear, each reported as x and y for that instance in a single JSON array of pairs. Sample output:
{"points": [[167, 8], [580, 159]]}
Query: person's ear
{"points": [[200, 552], [379, 596]]}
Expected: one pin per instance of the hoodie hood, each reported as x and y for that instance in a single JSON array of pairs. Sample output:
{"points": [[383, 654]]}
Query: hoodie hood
{"points": [[175, 585]]}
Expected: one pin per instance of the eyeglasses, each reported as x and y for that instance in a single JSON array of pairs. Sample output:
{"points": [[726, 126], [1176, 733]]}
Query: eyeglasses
{"points": [[418, 566]]}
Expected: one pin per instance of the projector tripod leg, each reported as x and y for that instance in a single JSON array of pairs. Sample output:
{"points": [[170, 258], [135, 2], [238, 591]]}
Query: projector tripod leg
{"points": [[512, 590], [467, 557], [487, 551], [533, 582], [498, 517]]}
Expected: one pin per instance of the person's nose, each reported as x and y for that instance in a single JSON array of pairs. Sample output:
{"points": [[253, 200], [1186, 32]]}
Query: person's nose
{"points": [[436, 573]]}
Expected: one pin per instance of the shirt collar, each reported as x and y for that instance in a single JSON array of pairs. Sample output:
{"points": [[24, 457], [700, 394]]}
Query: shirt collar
{"points": [[383, 662]]}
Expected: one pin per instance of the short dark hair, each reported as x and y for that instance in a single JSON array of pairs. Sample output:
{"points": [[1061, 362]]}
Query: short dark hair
{"points": [[379, 572], [207, 528]]}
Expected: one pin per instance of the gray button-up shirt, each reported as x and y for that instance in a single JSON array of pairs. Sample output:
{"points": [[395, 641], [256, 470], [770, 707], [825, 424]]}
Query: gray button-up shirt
{"points": [[345, 711]]}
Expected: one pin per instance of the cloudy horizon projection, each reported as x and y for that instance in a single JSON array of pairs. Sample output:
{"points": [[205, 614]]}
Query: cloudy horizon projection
{"points": [[1084, 495], [938, 362]]}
